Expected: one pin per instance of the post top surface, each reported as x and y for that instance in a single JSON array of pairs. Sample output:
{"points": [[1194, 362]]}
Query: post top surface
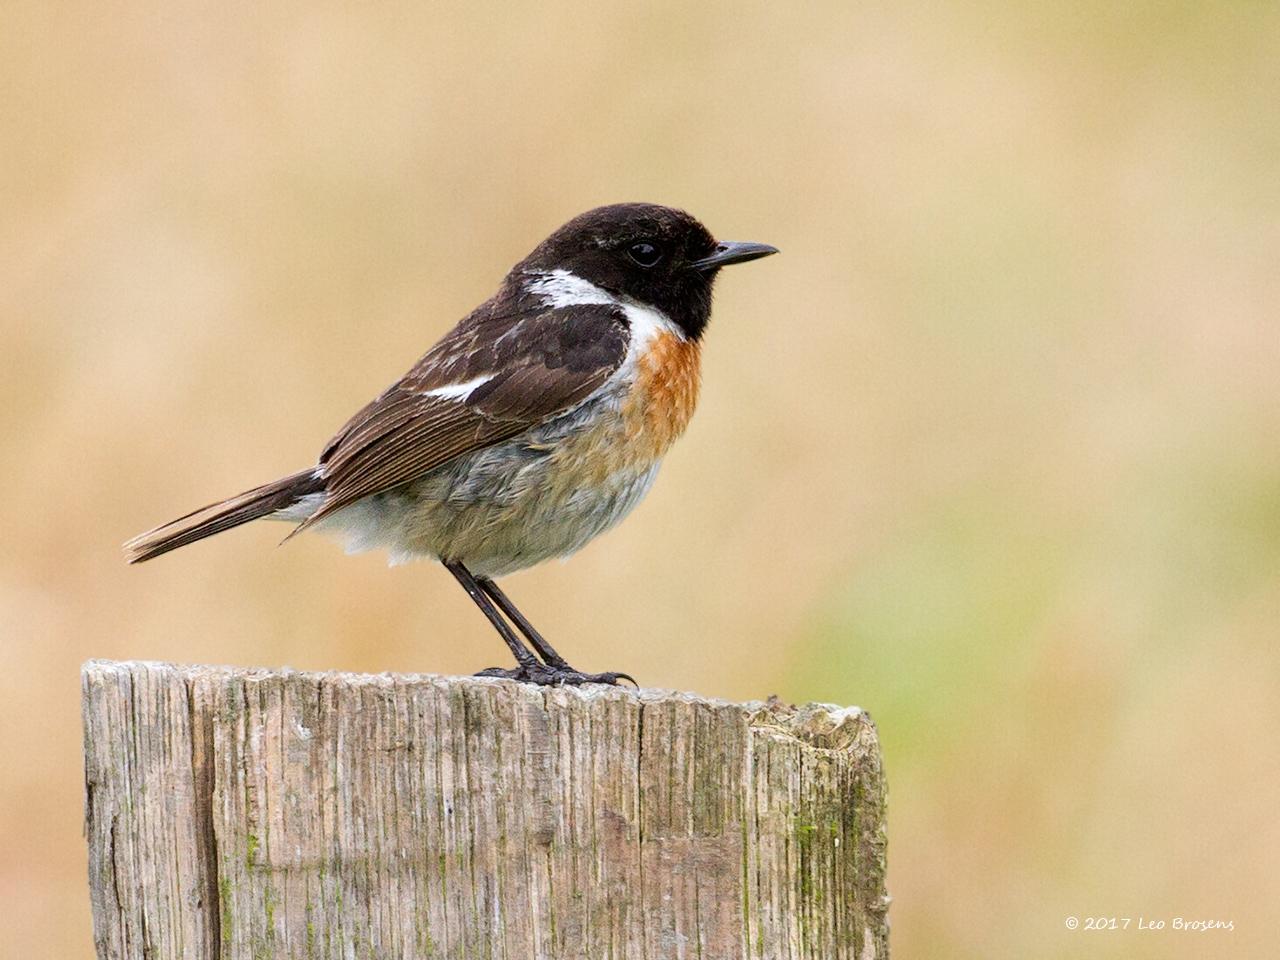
{"points": [[821, 725]]}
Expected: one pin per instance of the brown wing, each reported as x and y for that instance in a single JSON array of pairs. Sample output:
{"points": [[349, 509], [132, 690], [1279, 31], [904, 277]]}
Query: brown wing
{"points": [[531, 364]]}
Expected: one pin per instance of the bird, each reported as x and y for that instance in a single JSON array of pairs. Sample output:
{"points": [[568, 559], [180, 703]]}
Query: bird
{"points": [[534, 425]]}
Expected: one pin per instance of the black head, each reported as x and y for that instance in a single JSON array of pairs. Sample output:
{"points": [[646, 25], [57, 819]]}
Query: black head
{"points": [[657, 256]]}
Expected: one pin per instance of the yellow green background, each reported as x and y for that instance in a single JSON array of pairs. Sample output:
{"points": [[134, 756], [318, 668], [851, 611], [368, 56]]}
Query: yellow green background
{"points": [[989, 450]]}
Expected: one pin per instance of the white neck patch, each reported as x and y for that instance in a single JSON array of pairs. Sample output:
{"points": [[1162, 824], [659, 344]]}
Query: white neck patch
{"points": [[560, 288]]}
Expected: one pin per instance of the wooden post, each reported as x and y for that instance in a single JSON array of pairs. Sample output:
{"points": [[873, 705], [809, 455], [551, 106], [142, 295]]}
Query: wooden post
{"points": [[251, 814]]}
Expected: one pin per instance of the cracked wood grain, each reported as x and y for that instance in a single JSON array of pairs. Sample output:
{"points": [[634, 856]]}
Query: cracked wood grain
{"points": [[253, 814]]}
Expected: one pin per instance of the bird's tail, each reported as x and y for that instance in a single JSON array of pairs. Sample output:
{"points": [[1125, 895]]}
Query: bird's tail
{"points": [[274, 497]]}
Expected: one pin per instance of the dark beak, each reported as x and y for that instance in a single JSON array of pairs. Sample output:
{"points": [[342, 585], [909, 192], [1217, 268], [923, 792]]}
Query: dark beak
{"points": [[730, 251]]}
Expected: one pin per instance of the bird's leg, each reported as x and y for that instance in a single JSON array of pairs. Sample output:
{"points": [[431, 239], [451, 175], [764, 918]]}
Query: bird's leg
{"points": [[557, 670], [545, 650], [526, 661]]}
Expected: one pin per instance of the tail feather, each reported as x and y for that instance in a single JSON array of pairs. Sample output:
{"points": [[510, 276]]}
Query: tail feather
{"points": [[223, 515]]}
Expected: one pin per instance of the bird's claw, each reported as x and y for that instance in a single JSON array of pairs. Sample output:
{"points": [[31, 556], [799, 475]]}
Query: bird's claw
{"points": [[545, 676]]}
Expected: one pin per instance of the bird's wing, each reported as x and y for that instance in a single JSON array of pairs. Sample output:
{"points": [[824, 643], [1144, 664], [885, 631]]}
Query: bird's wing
{"points": [[495, 375]]}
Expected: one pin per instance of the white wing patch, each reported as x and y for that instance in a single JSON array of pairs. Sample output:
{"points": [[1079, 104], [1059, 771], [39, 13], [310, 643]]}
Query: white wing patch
{"points": [[459, 391]]}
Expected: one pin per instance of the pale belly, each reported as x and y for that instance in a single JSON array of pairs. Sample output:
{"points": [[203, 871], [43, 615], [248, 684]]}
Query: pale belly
{"points": [[541, 495]]}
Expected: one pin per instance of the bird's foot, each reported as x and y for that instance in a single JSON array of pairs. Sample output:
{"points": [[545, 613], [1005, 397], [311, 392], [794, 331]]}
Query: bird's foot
{"points": [[555, 676]]}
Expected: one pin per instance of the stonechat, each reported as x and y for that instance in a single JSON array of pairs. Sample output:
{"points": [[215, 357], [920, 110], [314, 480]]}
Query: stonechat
{"points": [[534, 425]]}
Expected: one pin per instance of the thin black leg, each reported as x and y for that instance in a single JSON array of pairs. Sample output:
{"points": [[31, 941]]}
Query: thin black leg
{"points": [[545, 650], [524, 658], [529, 668]]}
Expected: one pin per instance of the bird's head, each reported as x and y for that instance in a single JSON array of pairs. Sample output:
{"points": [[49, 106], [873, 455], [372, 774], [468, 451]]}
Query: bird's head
{"points": [[645, 253]]}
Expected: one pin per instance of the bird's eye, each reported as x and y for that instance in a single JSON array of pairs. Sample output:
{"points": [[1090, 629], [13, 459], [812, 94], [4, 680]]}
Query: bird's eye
{"points": [[644, 253]]}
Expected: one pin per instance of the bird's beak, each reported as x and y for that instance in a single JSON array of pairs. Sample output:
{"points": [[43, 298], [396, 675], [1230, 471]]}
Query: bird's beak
{"points": [[730, 251]]}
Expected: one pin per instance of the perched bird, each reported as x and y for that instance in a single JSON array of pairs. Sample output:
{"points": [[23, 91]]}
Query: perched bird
{"points": [[535, 424]]}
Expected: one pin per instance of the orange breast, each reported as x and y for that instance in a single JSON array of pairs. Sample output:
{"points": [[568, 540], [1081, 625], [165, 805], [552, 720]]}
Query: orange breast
{"points": [[665, 393], [657, 408]]}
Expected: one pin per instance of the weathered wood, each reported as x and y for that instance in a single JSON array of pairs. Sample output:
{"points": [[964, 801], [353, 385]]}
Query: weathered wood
{"points": [[249, 814]]}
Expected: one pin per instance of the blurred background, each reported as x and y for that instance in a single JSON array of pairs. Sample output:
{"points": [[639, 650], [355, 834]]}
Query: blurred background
{"points": [[990, 450]]}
